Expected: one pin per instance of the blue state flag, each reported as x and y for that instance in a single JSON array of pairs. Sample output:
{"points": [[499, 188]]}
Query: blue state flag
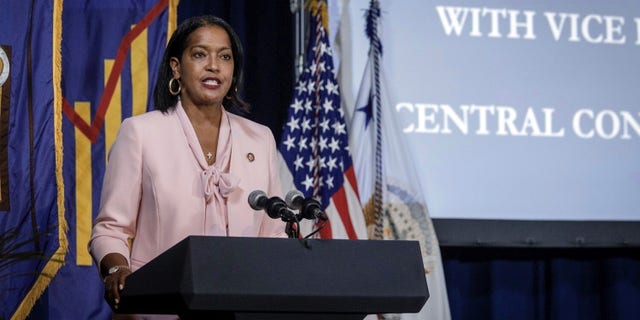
{"points": [[33, 241], [111, 51]]}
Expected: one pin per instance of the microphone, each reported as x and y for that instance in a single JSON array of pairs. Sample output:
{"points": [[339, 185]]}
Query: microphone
{"points": [[274, 206], [294, 199], [258, 199], [309, 207]]}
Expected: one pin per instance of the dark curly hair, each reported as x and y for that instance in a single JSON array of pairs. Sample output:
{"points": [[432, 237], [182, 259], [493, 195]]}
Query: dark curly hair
{"points": [[164, 100]]}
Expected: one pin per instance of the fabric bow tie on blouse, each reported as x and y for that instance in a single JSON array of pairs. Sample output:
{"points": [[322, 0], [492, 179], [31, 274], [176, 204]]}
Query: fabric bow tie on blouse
{"points": [[218, 183], [217, 186]]}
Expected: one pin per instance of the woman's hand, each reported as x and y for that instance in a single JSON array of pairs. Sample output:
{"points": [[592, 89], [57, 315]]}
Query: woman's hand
{"points": [[114, 283], [114, 268]]}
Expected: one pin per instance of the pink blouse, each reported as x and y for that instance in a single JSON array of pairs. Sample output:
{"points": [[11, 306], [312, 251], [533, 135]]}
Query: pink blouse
{"points": [[159, 189]]}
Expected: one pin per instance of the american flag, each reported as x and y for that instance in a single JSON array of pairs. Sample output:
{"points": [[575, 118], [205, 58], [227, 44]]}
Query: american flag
{"points": [[315, 144]]}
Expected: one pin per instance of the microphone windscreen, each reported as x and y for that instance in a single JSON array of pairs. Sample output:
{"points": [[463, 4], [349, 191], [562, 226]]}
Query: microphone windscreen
{"points": [[294, 199], [257, 199]]}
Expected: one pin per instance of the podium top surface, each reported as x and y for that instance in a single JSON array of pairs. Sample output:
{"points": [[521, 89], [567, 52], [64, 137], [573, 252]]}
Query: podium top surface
{"points": [[280, 275]]}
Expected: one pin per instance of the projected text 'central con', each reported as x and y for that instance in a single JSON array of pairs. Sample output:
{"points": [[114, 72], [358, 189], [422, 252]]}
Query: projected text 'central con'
{"points": [[483, 120]]}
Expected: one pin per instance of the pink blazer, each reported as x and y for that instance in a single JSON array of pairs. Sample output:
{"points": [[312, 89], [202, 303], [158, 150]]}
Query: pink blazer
{"points": [[152, 192]]}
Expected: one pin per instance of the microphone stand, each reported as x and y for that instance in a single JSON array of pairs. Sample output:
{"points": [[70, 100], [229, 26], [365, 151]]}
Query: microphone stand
{"points": [[291, 231], [292, 226]]}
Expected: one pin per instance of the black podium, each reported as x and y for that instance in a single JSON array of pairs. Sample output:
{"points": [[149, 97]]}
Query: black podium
{"points": [[266, 278]]}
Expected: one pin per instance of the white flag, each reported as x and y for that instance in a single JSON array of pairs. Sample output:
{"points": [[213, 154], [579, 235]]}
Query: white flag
{"points": [[389, 188]]}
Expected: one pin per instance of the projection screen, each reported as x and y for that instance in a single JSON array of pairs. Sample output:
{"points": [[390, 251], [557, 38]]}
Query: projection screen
{"points": [[517, 110]]}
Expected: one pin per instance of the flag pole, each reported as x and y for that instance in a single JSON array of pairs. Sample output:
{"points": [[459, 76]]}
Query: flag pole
{"points": [[297, 9]]}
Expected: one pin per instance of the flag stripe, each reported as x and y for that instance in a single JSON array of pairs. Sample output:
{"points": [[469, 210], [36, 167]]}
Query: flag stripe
{"points": [[83, 181], [350, 174], [340, 199]]}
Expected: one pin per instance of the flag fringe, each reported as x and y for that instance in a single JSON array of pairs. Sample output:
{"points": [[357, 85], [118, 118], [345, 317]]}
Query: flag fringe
{"points": [[57, 260], [319, 7]]}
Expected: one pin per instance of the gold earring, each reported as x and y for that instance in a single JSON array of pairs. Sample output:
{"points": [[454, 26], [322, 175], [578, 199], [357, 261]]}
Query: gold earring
{"points": [[171, 85]]}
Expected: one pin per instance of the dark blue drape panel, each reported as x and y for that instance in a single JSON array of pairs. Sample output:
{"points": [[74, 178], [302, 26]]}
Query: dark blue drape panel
{"points": [[539, 284], [482, 283]]}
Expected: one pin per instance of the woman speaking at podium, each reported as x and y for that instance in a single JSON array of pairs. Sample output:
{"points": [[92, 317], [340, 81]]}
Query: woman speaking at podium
{"points": [[187, 167]]}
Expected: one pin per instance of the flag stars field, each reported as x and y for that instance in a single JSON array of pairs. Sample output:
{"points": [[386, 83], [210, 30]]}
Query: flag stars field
{"points": [[293, 124]]}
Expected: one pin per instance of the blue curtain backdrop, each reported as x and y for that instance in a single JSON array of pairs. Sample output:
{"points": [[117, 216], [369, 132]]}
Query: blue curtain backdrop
{"points": [[482, 283], [529, 283]]}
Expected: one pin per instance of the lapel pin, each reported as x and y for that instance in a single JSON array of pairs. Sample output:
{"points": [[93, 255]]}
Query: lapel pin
{"points": [[250, 157]]}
